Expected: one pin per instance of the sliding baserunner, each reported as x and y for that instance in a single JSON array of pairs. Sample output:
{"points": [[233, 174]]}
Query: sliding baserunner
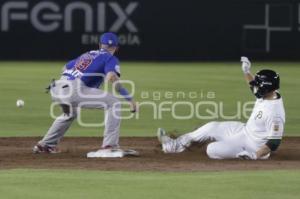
{"points": [[255, 139]]}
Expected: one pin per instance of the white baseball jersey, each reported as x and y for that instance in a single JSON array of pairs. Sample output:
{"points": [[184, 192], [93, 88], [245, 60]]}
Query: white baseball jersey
{"points": [[231, 138], [266, 121]]}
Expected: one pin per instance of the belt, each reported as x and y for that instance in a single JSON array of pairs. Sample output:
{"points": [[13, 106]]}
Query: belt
{"points": [[70, 77]]}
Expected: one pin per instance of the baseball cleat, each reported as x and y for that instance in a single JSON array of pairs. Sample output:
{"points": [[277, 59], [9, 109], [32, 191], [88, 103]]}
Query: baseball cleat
{"points": [[168, 144], [160, 134], [44, 149]]}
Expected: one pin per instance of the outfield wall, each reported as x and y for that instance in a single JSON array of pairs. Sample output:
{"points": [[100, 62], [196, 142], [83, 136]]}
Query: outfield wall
{"points": [[152, 29]]}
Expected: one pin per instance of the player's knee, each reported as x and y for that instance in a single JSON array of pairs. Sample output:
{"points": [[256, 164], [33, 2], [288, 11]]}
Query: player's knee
{"points": [[69, 112], [67, 116], [212, 151], [115, 103], [212, 124]]}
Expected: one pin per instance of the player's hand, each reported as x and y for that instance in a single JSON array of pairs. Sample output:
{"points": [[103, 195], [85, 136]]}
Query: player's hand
{"points": [[246, 65], [245, 155], [133, 107]]}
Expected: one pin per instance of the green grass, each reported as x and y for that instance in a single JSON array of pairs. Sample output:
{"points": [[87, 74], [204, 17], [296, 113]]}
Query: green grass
{"points": [[27, 80], [135, 185]]}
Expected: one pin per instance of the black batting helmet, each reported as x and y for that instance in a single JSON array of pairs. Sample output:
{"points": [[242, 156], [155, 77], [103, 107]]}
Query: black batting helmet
{"points": [[264, 82]]}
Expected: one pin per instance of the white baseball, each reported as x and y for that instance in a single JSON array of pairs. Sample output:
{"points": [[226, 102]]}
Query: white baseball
{"points": [[20, 103]]}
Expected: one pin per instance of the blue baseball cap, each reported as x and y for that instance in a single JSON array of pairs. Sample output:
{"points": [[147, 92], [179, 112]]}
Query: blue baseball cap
{"points": [[109, 38]]}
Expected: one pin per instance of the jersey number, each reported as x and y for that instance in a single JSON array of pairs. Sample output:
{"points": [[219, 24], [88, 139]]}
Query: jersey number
{"points": [[83, 63], [259, 115]]}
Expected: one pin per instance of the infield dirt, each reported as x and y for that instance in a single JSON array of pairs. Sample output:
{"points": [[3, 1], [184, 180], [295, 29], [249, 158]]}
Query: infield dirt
{"points": [[16, 153]]}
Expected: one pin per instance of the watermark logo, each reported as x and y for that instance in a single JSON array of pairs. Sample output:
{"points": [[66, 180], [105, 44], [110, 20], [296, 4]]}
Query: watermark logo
{"points": [[179, 105]]}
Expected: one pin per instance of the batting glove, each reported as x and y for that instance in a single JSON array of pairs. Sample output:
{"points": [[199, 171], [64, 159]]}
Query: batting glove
{"points": [[246, 65], [245, 155]]}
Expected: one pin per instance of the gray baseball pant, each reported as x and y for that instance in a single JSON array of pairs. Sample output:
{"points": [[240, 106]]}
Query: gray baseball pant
{"points": [[72, 95]]}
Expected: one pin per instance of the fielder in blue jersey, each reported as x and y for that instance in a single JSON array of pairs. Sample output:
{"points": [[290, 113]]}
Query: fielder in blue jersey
{"points": [[79, 87]]}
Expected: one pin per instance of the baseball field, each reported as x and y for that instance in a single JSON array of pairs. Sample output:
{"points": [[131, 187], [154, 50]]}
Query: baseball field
{"points": [[217, 90]]}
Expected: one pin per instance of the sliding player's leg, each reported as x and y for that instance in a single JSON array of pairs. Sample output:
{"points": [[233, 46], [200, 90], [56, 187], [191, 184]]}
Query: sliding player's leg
{"points": [[210, 131], [231, 147]]}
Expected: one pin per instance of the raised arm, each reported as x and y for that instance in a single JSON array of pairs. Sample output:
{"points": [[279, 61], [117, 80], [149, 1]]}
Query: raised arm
{"points": [[113, 78], [246, 65]]}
